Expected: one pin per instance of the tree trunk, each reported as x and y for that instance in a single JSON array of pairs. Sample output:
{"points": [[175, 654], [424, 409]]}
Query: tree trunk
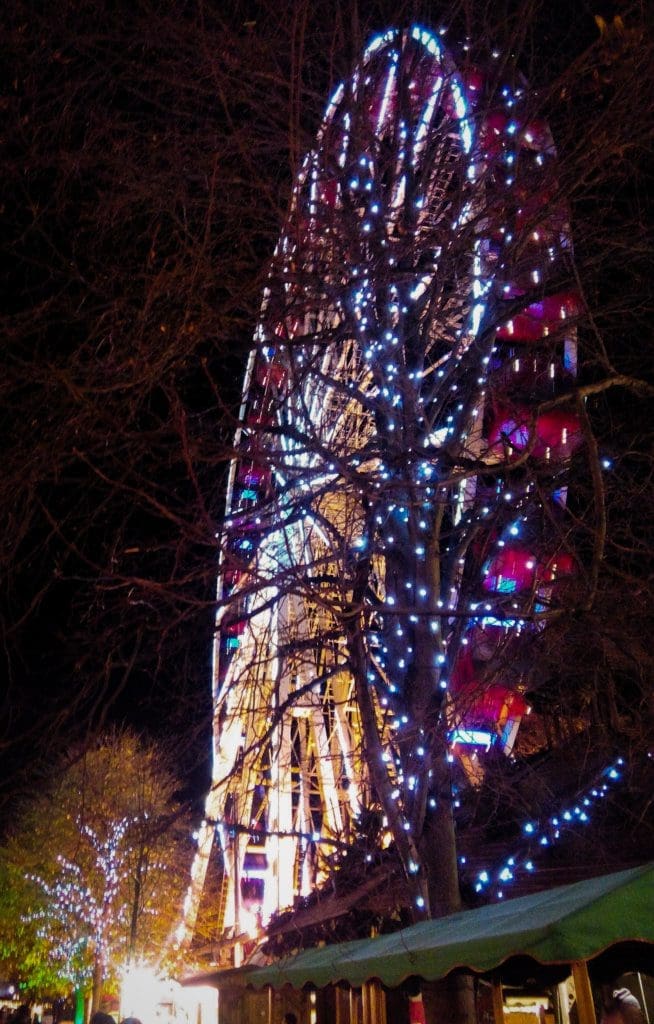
{"points": [[136, 904], [439, 851], [451, 1001], [98, 984]]}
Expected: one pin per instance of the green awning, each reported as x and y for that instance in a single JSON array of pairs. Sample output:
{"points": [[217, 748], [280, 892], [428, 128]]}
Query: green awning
{"points": [[557, 926]]}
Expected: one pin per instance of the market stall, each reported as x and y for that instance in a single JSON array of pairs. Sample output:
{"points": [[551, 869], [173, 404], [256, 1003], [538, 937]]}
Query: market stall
{"points": [[591, 931]]}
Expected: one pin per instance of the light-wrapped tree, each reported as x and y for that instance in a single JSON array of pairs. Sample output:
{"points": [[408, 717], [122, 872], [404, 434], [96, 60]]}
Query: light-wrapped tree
{"points": [[96, 867], [415, 486]]}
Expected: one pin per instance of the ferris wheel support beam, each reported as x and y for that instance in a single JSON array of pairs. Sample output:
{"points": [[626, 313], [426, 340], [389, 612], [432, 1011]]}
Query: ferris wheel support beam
{"points": [[372, 419]]}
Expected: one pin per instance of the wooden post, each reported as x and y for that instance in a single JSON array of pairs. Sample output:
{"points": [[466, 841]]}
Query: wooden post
{"points": [[583, 993], [366, 1008], [498, 1001], [355, 1006], [373, 1003], [344, 1006]]}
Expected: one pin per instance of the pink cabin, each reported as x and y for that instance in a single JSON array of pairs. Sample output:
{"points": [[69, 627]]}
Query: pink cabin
{"points": [[542, 318], [554, 435], [253, 474], [273, 373], [482, 714], [511, 570]]}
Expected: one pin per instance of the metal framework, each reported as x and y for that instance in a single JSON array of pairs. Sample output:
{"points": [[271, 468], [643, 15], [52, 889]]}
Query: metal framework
{"points": [[407, 235]]}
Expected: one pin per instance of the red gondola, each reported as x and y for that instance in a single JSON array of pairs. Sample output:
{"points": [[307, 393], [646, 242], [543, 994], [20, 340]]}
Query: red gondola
{"points": [[495, 133], [474, 81], [536, 371], [536, 136], [542, 318], [511, 570], [273, 373], [261, 416], [559, 566], [253, 474], [557, 434], [493, 710], [328, 192], [234, 628]]}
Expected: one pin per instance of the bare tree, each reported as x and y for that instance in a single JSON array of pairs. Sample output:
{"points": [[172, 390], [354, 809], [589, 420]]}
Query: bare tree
{"points": [[148, 163], [139, 199], [419, 521]]}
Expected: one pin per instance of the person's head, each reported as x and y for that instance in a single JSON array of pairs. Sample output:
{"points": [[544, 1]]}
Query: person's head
{"points": [[290, 1018], [101, 1018], [623, 1009]]}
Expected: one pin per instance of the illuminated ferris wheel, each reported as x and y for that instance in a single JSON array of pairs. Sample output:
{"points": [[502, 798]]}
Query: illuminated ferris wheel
{"points": [[423, 232]]}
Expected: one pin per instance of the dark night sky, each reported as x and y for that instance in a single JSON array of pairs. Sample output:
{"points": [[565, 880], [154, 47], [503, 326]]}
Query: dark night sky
{"points": [[127, 332]]}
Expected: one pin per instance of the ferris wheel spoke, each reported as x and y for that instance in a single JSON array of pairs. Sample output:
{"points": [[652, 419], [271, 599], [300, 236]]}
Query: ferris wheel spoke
{"points": [[412, 304]]}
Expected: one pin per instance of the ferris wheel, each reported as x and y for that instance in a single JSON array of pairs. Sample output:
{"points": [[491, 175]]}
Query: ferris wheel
{"points": [[423, 231]]}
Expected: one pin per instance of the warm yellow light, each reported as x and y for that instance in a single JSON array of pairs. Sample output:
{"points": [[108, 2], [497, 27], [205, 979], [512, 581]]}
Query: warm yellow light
{"points": [[140, 991], [147, 994], [249, 923]]}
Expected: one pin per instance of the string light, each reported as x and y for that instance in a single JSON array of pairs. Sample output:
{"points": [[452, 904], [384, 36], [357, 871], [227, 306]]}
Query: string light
{"points": [[337, 405], [552, 831], [82, 918]]}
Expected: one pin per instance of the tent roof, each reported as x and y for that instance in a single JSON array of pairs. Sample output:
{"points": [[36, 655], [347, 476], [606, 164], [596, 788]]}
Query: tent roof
{"points": [[556, 926]]}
